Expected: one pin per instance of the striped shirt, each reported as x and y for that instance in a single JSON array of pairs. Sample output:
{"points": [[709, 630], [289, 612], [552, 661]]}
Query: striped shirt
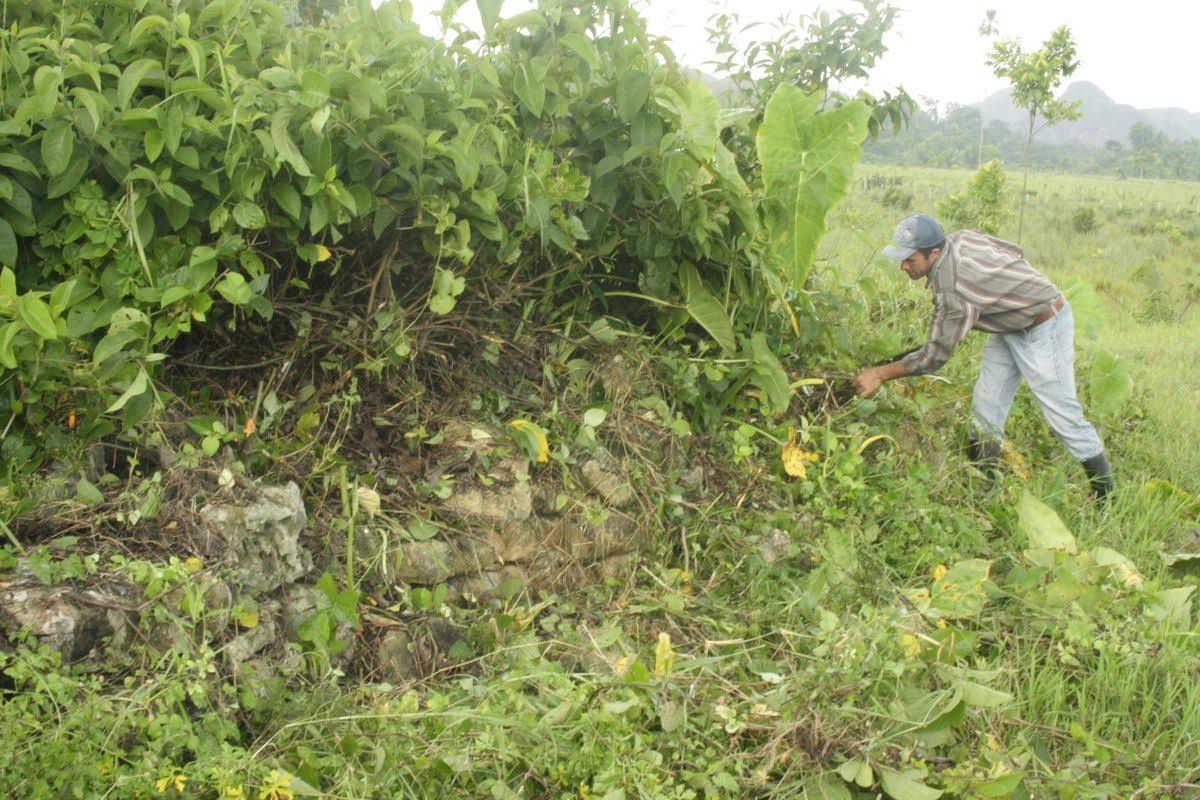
{"points": [[980, 282]]}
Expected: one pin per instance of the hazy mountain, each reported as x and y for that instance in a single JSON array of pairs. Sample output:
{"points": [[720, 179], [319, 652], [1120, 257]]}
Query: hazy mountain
{"points": [[1103, 119]]}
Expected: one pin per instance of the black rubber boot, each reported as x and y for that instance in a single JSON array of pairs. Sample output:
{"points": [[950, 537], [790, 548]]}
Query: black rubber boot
{"points": [[1099, 474], [985, 456]]}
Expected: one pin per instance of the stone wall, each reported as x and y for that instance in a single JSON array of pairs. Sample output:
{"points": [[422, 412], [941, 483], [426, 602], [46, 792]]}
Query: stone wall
{"points": [[499, 528]]}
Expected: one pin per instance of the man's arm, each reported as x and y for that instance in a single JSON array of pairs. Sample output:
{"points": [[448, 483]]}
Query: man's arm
{"points": [[870, 379], [952, 318]]}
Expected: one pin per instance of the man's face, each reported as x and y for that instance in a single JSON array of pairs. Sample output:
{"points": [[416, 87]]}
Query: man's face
{"points": [[918, 265]]}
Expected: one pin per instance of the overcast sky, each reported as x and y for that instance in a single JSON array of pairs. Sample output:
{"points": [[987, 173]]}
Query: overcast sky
{"points": [[1143, 54]]}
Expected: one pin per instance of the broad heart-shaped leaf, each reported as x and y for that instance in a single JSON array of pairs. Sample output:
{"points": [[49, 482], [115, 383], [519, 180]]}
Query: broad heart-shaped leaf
{"points": [[58, 142], [1041, 524], [705, 309], [899, 787], [633, 89], [767, 374], [1110, 383], [807, 158]]}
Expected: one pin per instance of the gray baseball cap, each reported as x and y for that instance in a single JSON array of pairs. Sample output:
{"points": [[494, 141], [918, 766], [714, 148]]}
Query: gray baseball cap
{"points": [[914, 232]]}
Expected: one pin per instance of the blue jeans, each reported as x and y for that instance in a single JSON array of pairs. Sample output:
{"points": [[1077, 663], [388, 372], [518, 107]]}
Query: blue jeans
{"points": [[1045, 357]]}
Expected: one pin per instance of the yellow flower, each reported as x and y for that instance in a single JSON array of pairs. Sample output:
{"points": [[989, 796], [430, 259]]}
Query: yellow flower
{"points": [[175, 782], [939, 572]]}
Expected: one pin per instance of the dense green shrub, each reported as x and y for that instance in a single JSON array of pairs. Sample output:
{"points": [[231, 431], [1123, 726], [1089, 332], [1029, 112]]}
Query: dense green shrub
{"points": [[982, 205], [1084, 219], [172, 169]]}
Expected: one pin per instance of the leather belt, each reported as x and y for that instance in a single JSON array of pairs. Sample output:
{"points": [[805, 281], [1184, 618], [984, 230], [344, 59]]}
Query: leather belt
{"points": [[1059, 302]]}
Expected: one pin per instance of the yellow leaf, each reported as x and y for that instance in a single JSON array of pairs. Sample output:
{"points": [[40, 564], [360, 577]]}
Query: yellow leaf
{"points": [[1013, 458], [247, 618], [793, 460], [193, 564], [539, 436], [323, 253], [664, 655]]}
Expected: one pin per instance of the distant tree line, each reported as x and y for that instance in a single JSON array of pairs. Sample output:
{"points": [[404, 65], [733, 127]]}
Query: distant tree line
{"points": [[952, 140]]}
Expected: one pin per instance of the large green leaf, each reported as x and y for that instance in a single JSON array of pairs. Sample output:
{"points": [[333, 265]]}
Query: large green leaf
{"points": [[699, 115], [489, 12], [959, 594], [900, 787], [807, 158], [1110, 383], [284, 145], [529, 84], [8, 244], [705, 309], [767, 374], [633, 89], [36, 315], [58, 142], [132, 78], [1042, 526], [724, 166]]}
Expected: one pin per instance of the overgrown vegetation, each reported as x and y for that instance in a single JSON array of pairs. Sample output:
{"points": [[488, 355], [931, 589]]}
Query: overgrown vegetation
{"points": [[547, 228]]}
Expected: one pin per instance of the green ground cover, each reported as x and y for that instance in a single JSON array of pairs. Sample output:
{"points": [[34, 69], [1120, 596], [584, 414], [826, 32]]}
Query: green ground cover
{"points": [[888, 624], [838, 607]]}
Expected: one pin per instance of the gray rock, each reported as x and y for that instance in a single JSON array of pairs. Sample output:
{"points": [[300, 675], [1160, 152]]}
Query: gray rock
{"points": [[521, 541], [774, 547], [508, 500], [262, 538], [249, 642], [482, 588], [424, 563], [218, 600], [299, 602], [619, 566], [56, 616], [394, 660], [617, 534], [545, 500], [693, 478], [601, 475]]}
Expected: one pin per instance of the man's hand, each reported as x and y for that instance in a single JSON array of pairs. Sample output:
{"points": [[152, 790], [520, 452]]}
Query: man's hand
{"points": [[868, 381]]}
